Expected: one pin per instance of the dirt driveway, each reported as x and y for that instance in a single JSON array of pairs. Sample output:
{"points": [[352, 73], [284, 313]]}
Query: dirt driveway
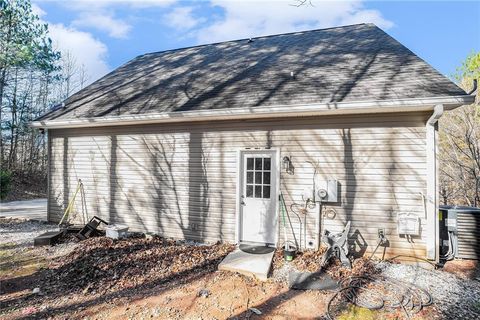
{"points": [[27, 209]]}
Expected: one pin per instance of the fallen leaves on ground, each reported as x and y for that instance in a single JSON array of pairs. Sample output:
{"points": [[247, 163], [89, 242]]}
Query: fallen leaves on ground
{"points": [[103, 264], [360, 267], [103, 268], [310, 261]]}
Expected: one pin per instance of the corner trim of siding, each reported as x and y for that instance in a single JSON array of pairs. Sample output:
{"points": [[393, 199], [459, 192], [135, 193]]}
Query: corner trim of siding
{"points": [[334, 108]]}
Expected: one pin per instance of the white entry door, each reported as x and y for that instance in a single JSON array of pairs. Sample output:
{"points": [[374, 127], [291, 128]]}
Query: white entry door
{"points": [[258, 198]]}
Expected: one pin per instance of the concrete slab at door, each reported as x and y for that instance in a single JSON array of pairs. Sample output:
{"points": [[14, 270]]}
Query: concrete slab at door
{"points": [[256, 265], [28, 209]]}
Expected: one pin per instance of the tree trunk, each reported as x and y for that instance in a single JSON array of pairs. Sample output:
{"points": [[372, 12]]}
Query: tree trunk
{"points": [[2, 86]]}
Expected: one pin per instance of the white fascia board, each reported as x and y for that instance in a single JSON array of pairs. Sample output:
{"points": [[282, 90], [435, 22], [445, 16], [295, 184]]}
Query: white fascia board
{"points": [[280, 111]]}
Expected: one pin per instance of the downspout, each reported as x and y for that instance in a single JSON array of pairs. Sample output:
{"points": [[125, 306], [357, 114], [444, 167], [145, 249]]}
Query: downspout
{"points": [[437, 113], [49, 172], [432, 238], [475, 86]]}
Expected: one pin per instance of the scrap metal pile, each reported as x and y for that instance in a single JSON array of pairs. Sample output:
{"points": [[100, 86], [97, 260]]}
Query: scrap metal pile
{"points": [[376, 293]]}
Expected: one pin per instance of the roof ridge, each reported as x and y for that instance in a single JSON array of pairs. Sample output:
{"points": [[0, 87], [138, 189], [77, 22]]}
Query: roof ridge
{"points": [[258, 37]]}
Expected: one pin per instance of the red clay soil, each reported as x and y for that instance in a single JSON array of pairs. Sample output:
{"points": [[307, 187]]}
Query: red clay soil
{"points": [[465, 269], [139, 278], [228, 296], [159, 279]]}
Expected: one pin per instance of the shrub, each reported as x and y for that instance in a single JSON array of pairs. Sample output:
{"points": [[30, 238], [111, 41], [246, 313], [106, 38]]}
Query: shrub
{"points": [[5, 182]]}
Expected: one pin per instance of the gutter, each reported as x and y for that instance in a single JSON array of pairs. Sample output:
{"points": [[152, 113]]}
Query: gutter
{"points": [[278, 111]]}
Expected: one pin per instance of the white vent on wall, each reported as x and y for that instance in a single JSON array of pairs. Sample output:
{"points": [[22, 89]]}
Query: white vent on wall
{"points": [[408, 224]]}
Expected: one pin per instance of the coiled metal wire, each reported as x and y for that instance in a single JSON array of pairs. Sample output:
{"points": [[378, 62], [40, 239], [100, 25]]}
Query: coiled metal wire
{"points": [[378, 292]]}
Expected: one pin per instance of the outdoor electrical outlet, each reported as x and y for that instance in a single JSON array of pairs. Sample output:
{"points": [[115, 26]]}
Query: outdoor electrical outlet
{"points": [[381, 233]]}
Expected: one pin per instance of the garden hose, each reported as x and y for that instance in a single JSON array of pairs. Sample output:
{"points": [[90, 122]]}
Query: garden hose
{"points": [[283, 209]]}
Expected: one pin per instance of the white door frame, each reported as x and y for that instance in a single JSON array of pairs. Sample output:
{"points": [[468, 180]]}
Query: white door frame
{"points": [[238, 197]]}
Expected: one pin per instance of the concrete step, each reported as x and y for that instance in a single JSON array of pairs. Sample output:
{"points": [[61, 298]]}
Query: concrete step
{"points": [[254, 265]]}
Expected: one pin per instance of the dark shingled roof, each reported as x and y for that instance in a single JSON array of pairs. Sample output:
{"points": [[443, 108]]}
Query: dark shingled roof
{"points": [[351, 63]]}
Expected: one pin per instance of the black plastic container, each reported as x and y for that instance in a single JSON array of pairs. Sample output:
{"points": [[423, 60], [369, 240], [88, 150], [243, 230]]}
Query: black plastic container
{"points": [[289, 254]]}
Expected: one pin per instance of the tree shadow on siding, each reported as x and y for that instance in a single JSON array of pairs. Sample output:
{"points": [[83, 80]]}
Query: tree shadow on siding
{"points": [[168, 166], [221, 195], [117, 196], [356, 241], [398, 206], [198, 188], [66, 178], [96, 201], [166, 185], [112, 213]]}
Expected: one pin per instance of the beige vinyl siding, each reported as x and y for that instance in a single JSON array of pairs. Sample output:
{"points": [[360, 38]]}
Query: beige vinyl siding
{"points": [[179, 180]]}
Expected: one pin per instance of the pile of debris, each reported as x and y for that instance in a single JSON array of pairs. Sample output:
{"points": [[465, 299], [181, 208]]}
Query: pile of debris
{"points": [[99, 265], [311, 261]]}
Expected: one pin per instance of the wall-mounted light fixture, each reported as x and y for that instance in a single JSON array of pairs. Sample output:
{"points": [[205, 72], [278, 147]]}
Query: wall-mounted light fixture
{"points": [[287, 165]]}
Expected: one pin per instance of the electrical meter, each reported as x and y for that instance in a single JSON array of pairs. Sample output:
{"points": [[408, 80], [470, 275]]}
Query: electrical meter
{"points": [[326, 190], [322, 193]]}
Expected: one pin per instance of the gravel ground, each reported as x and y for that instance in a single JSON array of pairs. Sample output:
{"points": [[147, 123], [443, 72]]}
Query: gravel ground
{"points": [[453, 298], [18, 234], [22, 231], [281, 274]]}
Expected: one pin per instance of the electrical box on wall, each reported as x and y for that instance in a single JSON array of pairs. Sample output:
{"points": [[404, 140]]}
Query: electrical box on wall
{"points": [[326, 190], [451, 224], [451, 220], [408, 224]]}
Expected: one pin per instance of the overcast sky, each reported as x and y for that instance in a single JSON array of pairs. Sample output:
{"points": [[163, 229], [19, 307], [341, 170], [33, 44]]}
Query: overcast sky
{"points": [[103, 34]]}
